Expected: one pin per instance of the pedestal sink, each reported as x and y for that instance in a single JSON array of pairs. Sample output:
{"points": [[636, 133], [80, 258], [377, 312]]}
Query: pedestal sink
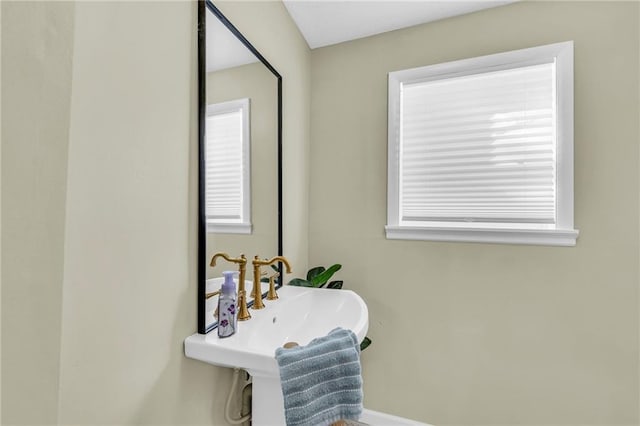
{"points": [[299, 315]]}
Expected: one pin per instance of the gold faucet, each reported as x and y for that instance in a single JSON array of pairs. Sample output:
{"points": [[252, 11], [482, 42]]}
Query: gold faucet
{"points": [[257, 288], [243, 312]]}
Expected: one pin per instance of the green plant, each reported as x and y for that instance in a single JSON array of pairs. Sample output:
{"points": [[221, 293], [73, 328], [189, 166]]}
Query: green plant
{"points": [[318, 277]]}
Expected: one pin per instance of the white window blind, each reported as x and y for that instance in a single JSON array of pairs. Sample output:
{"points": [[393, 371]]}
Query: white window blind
{"points": [[227, 167], [482, 149]]}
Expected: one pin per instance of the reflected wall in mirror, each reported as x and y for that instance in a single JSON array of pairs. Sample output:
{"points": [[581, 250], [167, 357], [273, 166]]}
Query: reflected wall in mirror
{"points": [[240, 155]]}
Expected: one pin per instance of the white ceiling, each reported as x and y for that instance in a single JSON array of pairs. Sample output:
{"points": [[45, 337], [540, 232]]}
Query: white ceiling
{"points": [[326, 22], [224, 50]]}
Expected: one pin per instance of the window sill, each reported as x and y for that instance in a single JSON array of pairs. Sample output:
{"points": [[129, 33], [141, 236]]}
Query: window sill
{"points": [[544, 237], [229, 228]]}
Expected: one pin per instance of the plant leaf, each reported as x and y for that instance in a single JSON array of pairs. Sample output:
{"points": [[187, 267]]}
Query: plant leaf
{"points": [[321, 279], [300, 282], [335, 284], [365, 344], [314, 272]]}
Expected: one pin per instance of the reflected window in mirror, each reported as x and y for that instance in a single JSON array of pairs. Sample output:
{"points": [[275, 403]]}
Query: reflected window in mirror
{"points": [[228, 167]]}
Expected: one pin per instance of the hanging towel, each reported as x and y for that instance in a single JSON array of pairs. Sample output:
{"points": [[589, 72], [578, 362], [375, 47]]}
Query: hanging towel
{"points": [[322, 382]]}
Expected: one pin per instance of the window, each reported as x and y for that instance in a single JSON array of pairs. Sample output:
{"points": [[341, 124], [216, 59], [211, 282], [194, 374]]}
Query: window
{"points": [[227, 164], [481, 150]]}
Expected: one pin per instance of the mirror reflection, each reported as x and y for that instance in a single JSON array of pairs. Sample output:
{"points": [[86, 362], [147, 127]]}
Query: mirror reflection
{"points": [[241, 155]]}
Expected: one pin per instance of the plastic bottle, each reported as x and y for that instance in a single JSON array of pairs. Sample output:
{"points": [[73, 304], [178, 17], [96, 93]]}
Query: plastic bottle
{"points": [[227, 309]]}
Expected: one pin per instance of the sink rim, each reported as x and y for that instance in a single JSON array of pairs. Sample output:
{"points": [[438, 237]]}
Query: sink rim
{"points": [[236, 351]]}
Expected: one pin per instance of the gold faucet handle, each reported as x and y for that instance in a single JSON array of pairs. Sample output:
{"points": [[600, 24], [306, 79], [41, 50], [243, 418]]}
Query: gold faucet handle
{"points": [[272, 295]]}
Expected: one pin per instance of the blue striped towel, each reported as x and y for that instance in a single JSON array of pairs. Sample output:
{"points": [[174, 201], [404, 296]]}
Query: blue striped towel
{"points": [[322, 382]]}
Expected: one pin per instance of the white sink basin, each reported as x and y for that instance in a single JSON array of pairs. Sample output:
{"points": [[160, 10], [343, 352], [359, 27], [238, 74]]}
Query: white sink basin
{"points": [[299, 315]]}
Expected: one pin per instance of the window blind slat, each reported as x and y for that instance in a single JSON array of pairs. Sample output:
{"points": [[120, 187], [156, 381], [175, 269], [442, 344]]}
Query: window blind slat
{"points": [[497, 143]]}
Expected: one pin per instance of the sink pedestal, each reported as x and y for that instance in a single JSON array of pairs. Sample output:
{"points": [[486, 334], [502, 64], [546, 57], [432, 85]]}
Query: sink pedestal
{"points": [[299, 315], [267, 405]]}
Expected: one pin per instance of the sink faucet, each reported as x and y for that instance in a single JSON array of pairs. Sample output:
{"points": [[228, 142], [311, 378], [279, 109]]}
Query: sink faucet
{"points": [[243, 312], [257, 288]]}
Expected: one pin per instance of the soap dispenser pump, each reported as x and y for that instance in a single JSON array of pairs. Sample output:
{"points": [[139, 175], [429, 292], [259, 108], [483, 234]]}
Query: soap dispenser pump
{"points": [[227, 315]]}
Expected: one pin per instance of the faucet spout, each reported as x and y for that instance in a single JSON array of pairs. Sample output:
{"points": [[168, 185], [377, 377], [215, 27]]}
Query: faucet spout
{"points": [[273, 260], [239, 260]]}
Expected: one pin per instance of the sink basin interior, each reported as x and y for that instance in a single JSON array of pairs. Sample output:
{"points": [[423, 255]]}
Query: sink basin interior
{"points": [[306, 315]]}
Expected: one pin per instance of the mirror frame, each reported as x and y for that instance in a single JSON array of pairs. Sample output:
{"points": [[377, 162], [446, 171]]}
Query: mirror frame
{"points": [[203, 5]]}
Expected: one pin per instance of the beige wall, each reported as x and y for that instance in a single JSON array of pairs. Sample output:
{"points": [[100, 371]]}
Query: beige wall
{"points": [[256, 82], [37, 42], [99, 172], [130, 282], [472, 334], [0, 213]]}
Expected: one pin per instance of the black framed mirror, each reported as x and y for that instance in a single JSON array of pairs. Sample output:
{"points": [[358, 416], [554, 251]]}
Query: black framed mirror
{"points": [[237, 89]]}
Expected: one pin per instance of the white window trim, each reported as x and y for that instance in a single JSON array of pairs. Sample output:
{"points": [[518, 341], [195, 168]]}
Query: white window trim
{"points": [[244, 226], [229, 228], [559, 234]]}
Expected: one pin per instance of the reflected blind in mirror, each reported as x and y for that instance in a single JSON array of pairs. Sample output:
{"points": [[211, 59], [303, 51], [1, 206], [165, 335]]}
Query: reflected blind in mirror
{"points": [[226, 162]]}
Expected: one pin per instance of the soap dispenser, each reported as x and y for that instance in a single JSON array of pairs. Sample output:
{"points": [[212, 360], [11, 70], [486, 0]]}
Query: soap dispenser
{"points": [[227, 316]]}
